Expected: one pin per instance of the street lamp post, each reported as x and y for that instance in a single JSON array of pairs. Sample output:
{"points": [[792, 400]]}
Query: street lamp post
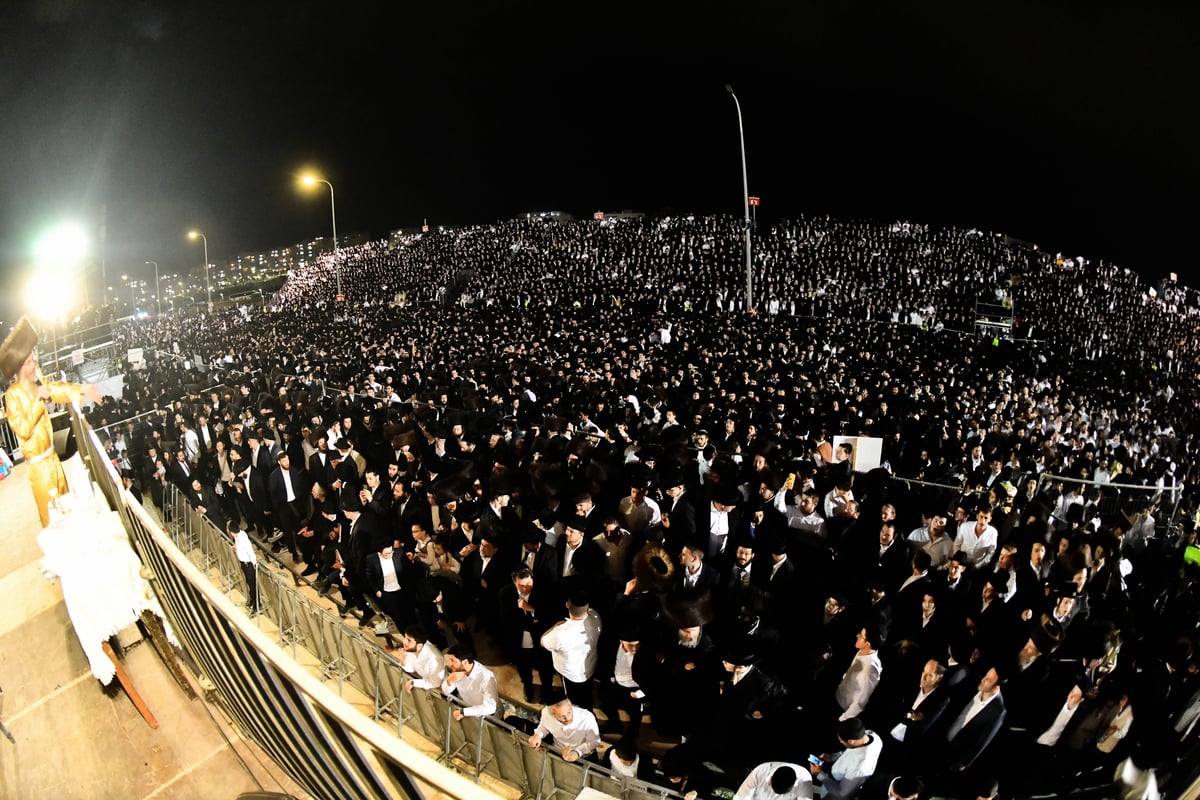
{"points": [[312, 180], [745, 200], [193, 235], [157, 297]]}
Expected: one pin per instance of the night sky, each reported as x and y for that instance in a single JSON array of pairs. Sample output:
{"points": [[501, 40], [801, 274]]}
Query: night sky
{"points": [[1071, 129]]}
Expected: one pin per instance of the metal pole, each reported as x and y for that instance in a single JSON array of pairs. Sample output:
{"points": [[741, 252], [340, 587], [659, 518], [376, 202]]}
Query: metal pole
{"points": [[207, 283], [745, 200], [157, 296], [337, 272]]}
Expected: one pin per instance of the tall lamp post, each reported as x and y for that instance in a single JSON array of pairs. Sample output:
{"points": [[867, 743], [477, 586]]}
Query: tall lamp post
{"points": [[157, 296], [193, 235], [313, 180], [745, 200]]}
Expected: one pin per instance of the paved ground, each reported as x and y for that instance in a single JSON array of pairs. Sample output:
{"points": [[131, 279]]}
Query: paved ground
{"points": [[74, 737]]}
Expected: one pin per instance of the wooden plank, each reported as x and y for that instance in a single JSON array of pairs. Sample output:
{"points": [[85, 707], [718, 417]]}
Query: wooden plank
{"points": [[130, 689]]}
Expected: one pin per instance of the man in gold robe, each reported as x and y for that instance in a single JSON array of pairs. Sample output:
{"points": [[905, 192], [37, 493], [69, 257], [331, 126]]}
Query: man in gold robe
{"points": [[25, 407]]}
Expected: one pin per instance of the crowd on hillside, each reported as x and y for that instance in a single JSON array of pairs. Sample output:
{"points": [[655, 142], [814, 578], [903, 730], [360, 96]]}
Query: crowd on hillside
{"points": [[575, 440]]}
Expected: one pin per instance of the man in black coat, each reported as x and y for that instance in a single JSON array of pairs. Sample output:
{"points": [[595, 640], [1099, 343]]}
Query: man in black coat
{"points": [[907, 716], [678, 513], [320, 464], [581, 557], [289, 501], [389, 587], [718, 520], [483, 574], [969, 727], [525, 610]]}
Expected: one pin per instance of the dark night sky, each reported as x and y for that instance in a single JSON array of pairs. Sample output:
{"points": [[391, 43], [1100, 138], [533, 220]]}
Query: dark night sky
{"points": [[1073, 129]]}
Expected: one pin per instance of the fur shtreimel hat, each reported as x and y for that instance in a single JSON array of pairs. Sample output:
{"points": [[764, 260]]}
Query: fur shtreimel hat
{"points": [[17, 346], [654, 568]]}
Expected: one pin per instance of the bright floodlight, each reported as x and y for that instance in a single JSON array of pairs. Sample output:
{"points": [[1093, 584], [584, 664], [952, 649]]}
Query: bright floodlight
{"points": [[193, 234], [63, 246], [48, 296], [308, 180]]}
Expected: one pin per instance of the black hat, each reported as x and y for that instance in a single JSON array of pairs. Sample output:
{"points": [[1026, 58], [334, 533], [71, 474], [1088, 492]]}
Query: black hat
{"points": [[629, 630], [469, 511], [672, 477], [726, 495], [999, 582], [740, 655], [961, 558], [577, 522], [351, 502], [688, 609], [499, 487], [639, 477], [342, 444]]}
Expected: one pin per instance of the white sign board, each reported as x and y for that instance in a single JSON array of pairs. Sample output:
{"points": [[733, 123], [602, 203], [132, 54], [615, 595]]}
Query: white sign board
{"points": [[867, 453]]}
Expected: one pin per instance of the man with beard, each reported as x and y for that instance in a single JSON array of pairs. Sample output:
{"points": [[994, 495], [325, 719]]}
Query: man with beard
{"points": [[421, 659], [686, 673]]}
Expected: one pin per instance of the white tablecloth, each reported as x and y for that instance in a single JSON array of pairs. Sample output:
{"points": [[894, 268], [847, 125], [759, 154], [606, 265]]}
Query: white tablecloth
{"points": [[102, 587]]}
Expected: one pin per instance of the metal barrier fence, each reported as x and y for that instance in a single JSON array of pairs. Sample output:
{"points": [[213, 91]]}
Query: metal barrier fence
{"points": [[347, 662], [1122, 503]]}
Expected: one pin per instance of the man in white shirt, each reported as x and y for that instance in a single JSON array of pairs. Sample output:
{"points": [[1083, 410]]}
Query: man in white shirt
{"points": [[572, 644], [1050, 736], [621, 690], [475, 684], [842, 774], [420, 658], [776, 780], [638, 512], [573, 729], [934, 540], [805, 516], [977, 539], [862, 676], [244, 551]]}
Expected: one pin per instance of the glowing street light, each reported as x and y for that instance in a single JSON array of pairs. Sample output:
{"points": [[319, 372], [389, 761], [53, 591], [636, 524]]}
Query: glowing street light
{"points": [[157, 298], [193, 235], [745, 199], [310, 180]]}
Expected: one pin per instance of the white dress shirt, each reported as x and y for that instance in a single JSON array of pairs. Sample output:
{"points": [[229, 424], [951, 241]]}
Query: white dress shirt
{"points": [[581, 734], [478, 691]]}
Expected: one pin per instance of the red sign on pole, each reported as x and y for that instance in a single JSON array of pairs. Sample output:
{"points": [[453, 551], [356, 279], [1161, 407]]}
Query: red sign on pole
{"points": [[754, 201], [424, 229], [598, 215]]}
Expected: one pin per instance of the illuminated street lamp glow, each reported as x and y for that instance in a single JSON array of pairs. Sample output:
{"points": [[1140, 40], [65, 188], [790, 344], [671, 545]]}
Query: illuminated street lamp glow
{"points": [[311, 180]]}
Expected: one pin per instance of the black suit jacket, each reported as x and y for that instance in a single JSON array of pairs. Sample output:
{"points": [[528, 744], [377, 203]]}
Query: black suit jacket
{"points": [[373, 571], [961, 749], [300, 490], [515, 622], [324, 474], [589, 565]]}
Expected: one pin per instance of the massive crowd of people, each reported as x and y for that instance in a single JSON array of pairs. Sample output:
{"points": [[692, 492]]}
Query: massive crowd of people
{"points": [[574, 440]]}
